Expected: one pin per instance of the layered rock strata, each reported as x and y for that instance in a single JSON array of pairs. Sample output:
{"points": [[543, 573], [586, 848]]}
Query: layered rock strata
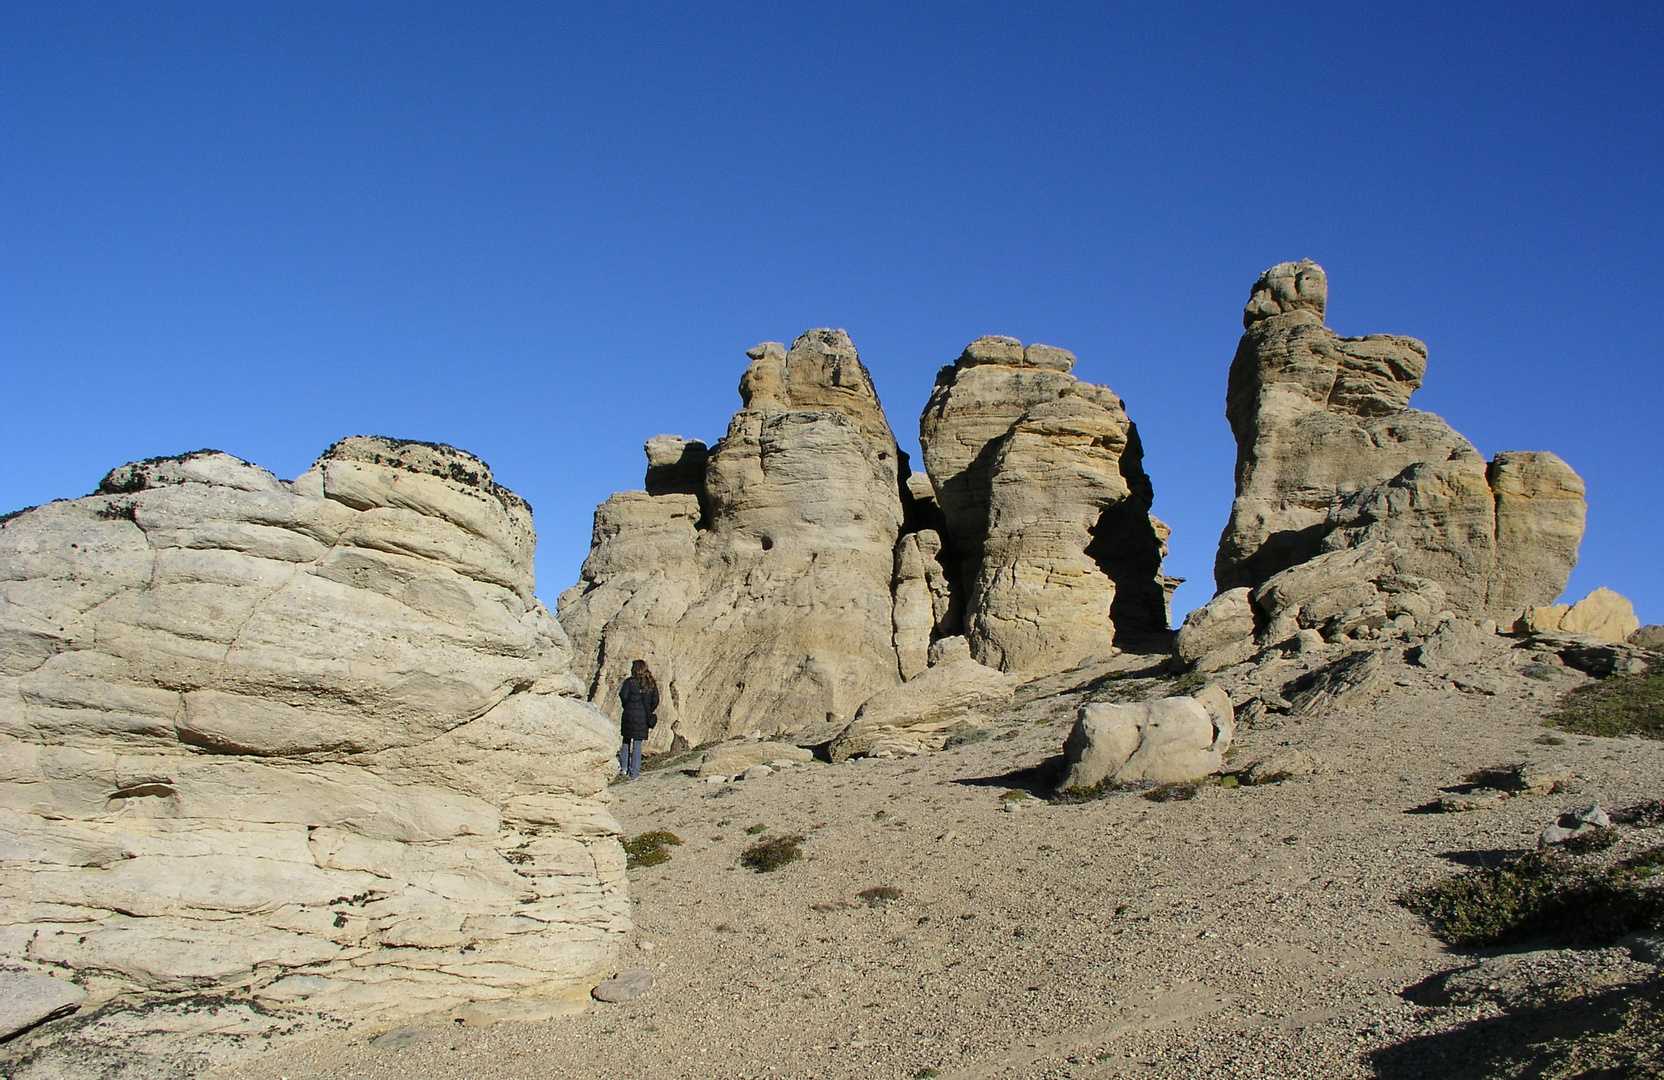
{"points": [[1045, 506], [759, 584], [315, 739], [1352, 508]]}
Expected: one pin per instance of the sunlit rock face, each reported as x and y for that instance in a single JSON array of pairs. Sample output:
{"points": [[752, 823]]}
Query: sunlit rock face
{"points": [[760, 585], [252, 729], [1046, 505], [1330, 457]]}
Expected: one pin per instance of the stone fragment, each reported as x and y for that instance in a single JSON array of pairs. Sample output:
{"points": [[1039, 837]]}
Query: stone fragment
{"points": [[756, 772], [735, 759], [1454, 644], [1462, 802], [1594, 656], [1573, 824], [28, 998], [1223, 623], [1280, 764], [1165, 740], [1347, 682], [1602, 614], [949, 650], [925, 710], [625, 986], [1330, 458], [1649, 637]]}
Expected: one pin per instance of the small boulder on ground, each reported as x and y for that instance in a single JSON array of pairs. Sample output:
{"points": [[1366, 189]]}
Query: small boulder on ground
{"points": [[1454, 644], [1574, 824], [1166, 740], [625, 986], [736, 759], [1649, 637], [1219, 633], [1602, 614], [917, 716]]}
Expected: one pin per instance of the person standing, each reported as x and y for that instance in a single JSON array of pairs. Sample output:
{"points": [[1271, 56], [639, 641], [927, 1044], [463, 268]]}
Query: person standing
{"points": [[640, 697]]}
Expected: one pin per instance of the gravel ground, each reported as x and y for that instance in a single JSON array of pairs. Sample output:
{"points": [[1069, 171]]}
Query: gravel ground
{"points": [[1247, 932]]}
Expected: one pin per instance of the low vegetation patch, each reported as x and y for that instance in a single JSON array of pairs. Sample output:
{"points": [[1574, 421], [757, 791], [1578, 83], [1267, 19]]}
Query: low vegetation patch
{"points": [[967, 737], [1555, 896], [650, 848], [1101, 790], [1014, 795], [756, 830], [671, 761], [1174, 792], [768, 855], [1621, 705], [879, 895]]}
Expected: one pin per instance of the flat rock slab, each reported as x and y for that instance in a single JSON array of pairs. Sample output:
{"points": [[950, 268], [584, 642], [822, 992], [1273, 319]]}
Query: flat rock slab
{"points": [[27, 999], [625, 986]]}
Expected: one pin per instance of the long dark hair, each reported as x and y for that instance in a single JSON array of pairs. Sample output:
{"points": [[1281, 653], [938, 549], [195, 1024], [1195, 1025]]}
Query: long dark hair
{"points": [[643, 675]]}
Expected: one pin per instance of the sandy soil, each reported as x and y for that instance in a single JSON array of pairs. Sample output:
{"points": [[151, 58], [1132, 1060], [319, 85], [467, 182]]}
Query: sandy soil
{"points": [[1248, 932]]}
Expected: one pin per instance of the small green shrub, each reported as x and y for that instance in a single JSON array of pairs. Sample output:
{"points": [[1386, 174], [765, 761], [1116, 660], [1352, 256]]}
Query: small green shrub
{"points": [[1588, 843], [118, 511], [768, 855], [1174, 792], [1187, 684], [927, 1074], [1101, 790], [1014, 795], [648, 849], [1540, 672], [879, 895], [1549, 895], [756, 830], [966, 738], [1621, 705]]}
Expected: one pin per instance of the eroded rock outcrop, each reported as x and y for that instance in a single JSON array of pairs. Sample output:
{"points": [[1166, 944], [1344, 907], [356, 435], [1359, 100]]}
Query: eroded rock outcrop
{"points": [[1041, 487], [1164, 740], [1353, 509], [250, 729], [764, 599]]}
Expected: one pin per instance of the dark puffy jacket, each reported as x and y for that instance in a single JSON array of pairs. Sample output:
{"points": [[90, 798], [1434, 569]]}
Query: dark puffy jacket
{"points": [[639, 707]]}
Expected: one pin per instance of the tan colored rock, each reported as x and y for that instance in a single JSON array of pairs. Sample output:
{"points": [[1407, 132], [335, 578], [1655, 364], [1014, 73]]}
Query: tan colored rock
{"points": [[1040, 482], [925, 709], [279, 727], [736, 759], [1330, 457], [1219, 633], [1650, 637], [1163, 741], [771, 608], [1602, 614]]}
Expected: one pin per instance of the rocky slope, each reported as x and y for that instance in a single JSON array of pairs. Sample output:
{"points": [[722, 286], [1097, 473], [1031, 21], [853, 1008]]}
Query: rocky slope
{"points": [[314, 742]]}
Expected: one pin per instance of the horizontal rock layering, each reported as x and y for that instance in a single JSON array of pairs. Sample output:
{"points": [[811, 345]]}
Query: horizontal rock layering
{"points": [[251, 728]]}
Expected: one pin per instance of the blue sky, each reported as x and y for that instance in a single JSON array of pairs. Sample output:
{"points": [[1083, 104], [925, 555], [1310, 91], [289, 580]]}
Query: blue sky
{"points": [[544, 233]]}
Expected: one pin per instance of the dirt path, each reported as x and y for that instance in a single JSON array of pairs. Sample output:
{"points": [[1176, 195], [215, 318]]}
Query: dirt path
{"points": [[1248, 932]]}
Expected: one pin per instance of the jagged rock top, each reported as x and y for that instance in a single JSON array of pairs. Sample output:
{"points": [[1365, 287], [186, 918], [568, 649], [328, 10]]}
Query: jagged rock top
{"points": [[1286, 288], [425, 459]]}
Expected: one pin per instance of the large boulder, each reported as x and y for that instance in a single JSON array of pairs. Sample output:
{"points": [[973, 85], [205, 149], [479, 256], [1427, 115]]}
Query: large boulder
{"points": [[919, 714], [1602, 614], [1040, 482], [251, 728], [1165, 740], [763, 599], [1330, 457]]}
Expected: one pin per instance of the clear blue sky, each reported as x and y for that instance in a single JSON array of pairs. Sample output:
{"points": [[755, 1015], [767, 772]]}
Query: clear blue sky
{"points": [[544, 233]]}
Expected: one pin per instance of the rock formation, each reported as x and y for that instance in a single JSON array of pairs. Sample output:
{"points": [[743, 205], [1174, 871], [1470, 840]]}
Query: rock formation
{"points": [[314, 739], [1353, 509], [760, 592], [1165, 740], [782, 577], [919, 715], [1045, 505], [1602, 614]]}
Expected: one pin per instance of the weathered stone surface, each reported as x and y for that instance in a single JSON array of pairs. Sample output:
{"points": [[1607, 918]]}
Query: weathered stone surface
{"points": [[926, 708], [735, 759], [28, 998], [289, 729], [1220, 632], [765, 601], [1348, 681], [1453, 644], [1649, 637], [625, 986], [1165, 740], [1040, 481], [1331, 458], [1602, 614]]}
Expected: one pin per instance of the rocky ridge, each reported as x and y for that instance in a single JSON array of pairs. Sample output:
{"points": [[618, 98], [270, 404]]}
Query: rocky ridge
{"points": [[314, 743]]}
